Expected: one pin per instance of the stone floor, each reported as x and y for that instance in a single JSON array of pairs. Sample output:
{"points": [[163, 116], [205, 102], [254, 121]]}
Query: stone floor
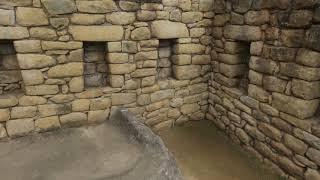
{"points": [[203, 153]]}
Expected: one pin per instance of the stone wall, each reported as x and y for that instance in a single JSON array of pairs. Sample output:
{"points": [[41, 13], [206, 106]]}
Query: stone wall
{"points": [[81, 58], [274, 46]]}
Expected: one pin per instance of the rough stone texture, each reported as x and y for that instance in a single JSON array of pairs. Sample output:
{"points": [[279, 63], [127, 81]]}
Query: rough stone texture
{"points": [[98, 33], [167, 29], [30, 61], [59, 7], [13, 33], [73, 119], [66, 70], [20, 127], [243, 33], [123, 98], [26, 17]]}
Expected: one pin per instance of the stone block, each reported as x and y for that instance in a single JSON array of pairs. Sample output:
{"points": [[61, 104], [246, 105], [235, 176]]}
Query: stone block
{"points": [[230, 58], [66, 70], [295, 144], [243, 33], [43, 33], [279, 53], [87, 19], [32, 100], [12, 33], [27, 46], [34, 61], [148, 81], [300, 18], [305, 90], [47, 124], [53, 109], [167, 30], [201, 59], [98, 116], [42, 90], [123, 98], [161, 95], [191, 17], [59, 23], [270, 131], [8, 101], [26, 16], [182, 59], [73, 119], [144, 72], [141, 33], [96, 33], [59, 7], [292, 37], [121, 68], [308, 58], [311, 174], [76, 84], [297, 107], [206, 5], [90, 93], [117, 58], [121, 18], [263, 65], [256, 17], [10, 77], [146, 55], [189, 108], [100, 104], [20, 127], [4, 115], [186, 72], [116, 81], [54, 45], [189, 49], [129, 6], [233, 71], [62, 98], [300, 72], [97, 7], [7, 17], [80, 105], [258, 93], [32, 77], [274, 84]]}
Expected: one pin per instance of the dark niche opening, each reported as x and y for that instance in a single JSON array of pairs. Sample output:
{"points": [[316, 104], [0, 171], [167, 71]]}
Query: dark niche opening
{"points": [[164, 63], [10, 74], [244, 54], [95, 67]]}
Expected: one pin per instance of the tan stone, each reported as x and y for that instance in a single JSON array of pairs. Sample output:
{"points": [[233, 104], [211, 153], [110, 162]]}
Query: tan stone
{"points": [[186, 72], [123, 98], [76, 84], [80, 105], [141, 33], [66, 70], [129, 6], [4, 115], [189, 49], [16, 2], [20, 127], [166, 29], [295, 144], [116, 81], [47, 124], [191, 17], [117, 58], [143, 99], [62, 98], [189, 108], [182, 59], [146, 15], [243, 33], [146, 55], [103, 6], [59, 7], [96, 33], [144, 72], [26, 16], [34, 61], [3, 131], [121, 68], [31, 100], [54, 45], [13, 33], [100, 104], [32, 77], [308, 58], [87, 19], [43, 33], [121, 18], [42, 90], [258, 93], [98, 116], [306, 90], [8, 101], [27, 46], [59, 23], [73, 119], [91, 93], [161, 95], [312, 174], [8, 17]]}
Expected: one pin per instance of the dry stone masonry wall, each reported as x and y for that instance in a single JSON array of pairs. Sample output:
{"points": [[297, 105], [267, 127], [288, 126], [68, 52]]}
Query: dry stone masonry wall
{"points": [[274, 48], [74, 60]]}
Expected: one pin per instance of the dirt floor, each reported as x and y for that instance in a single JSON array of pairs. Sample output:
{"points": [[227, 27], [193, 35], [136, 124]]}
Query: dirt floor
{"points": [[203, 153]]}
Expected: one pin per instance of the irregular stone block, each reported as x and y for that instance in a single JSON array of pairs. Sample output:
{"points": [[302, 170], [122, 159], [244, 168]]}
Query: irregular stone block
{"points": [[161, 95], [123, 98], [76, 84], [27, 46], [54, 45], [43, 33], [121, 68], [144, 72], [42, 90], [26, 17], [73, 119], [242, 6], [13, 33], [206, 5], [59, 7], [270, 131], [7, 17], [243, 33], [103, 6], [96, 33], [272, 83], [31, 100], [306, 90], [35, 61], [263, 65], [258, 93], [297, 107], [256, 17], [167, 30], [47, 124], [98, 116], [182, 59], [121, 18], [189, 49], [295, 144], [308, 58], [23, 112], [292, 37], [141, 33], [16, 2], [20, 127], [201, 59], [8, 101], [32, 77], [4, 115], [10, 76], [59, 23], [100, 104], [191, 17], [232, 71], [300, 72], [66, 70], [186, 72], [87, 19]]}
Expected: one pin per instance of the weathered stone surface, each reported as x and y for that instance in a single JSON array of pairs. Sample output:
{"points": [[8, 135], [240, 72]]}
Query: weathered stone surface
{"points": [[96, 33], [35, 61], [3, 131], [103, 6], [146, 55], [23, 112], [4, 115], [191, 17], [306, 90], [121, 18], [314, 155], [66, 70], [300, 72], [32, 77], [26, 17], [143, 15], [73, 119], [47, 124], [43, 33], [129, 6], [141, 33], [116, 81], [182, 59], [242, 6], [312, 174], [59, 23], [258, 93], [20, 127], [7, 17], [16, 2], [297, 107], [121, 68], [263, 65], [13, 33], [8, 101], [98, 116], [27, 46], [186, 72], [53, 109], [59, 7], [263, 4], [62, 98], [232, 71], [10, 76], [206, 5], [308, 57], [189, 49], [274, 84], [189, 108], [87, 19], [91, 93], [295, 144], [166, 29], [123, 98], [256, 17], [76, 84], [31, 100], [290, 166], [242, 33], [312, 38], [161, 95], [42, 90], [100, 104], [54, 45]]}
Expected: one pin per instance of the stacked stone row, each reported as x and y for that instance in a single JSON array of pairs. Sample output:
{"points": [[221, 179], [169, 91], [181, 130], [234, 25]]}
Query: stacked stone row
{"points": [[49, 37], [275, 118]]}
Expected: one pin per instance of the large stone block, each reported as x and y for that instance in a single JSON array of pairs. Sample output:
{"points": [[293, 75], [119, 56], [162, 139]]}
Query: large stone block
{"points": [[54, 109], [189, 49], [12, 33], [263, 65], [23, 112], [32, 77], [73, 119], [7, 17], [42, 90], [55, 45], [161, 95], [47, 123], [129, 6], [123, 98], [96, 33], [8, 101], [43, 33], [121, 18], [34, 61], [243, 33], [206, 5], [191, 17], [121, 68], [76, 84], [98, 116], [258, 93], [306, 90], [32, 100], [167, 30], [308, 58], [10, 76], [27, 46], [55, 7], [300, 72], [141, 33], [232, 71], [31, 16], [87, 19], [186, 72], [256, 17], [20, 127], [102, 7], [66, 70], [297, 107]]}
